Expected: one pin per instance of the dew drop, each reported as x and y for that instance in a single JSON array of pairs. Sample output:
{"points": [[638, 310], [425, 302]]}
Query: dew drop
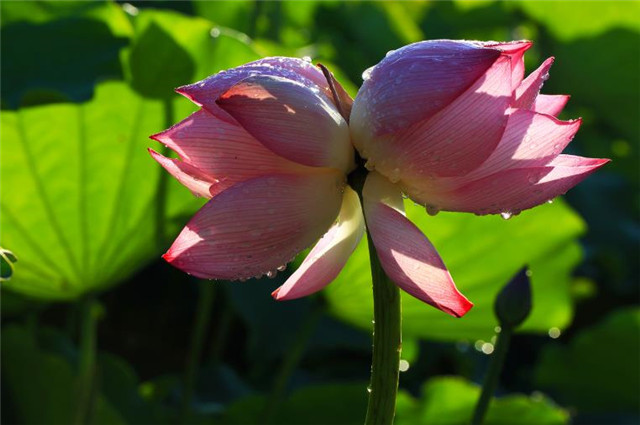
{"points": [[367, 73], [554, 333], [506, 215], [432, 210], [550, 201], [403, 366], [282, 268]]}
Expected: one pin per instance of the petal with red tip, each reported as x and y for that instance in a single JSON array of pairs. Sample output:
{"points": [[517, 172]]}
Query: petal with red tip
{"points": [[550, 104], [530, 139], [258, 225], [454, 141], [513, 190], [328, 257], [292, 120], [223, 151], [192, 178], [413, 83], [406, 255], [204, 93], [528, 90]]}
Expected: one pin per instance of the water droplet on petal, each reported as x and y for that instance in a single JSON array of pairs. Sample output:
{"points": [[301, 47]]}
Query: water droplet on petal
{"points": [[506, 215], [432, 210], [550, 201], [282, 268], [367, 73]]}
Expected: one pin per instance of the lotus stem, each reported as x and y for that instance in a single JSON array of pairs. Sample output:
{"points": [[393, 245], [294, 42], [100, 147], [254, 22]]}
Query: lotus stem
{"points": [[491, 379], [387, 344]]}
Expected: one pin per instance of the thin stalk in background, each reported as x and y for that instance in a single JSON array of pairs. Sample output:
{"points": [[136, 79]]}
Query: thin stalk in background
{"points": [[491, 380], [291, 360], [87, 364], [200, 326]]}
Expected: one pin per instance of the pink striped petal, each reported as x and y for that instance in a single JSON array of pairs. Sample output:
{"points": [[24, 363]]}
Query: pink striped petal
{"points": [[515, 50], [406, 255], [328, 257], [454, 141], [223, 151], [204, 93], [550, 104], [292, 120], [416, 81], [192, 178], [258, 225], [513, 190], [528, 90], [530, 139]]}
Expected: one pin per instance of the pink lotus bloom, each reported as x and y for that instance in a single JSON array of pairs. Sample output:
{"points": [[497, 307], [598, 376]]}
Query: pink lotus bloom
{"points": [[454, 125], [271, 149]]}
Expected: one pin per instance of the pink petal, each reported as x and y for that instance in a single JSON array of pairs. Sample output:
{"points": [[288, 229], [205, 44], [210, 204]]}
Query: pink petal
{"points": [[515, 50], [258, 225], [513, 190], [528, 90], [328, 257], [530, 139], [454, 141], [414, 82], [204, 93], [406, 255], [550, 104], [292, 120], [224, 152], [195, 180]]}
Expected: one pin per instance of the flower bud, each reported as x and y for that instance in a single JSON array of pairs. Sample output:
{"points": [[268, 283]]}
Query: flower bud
{"points": [[513, 303]]}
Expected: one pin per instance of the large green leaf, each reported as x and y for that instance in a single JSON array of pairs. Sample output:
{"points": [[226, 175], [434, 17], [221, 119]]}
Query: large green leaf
{"points": [[482, 253], [604, 371], [78, 211], [450, 401], [84, 215]]}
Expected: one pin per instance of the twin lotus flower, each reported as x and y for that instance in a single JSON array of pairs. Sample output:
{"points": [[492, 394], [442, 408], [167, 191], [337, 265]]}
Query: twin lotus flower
{"points": [[453, 125]]}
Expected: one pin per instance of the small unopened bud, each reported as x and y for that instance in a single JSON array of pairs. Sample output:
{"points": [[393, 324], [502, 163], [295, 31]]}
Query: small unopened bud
{"points": [[513, 303]]}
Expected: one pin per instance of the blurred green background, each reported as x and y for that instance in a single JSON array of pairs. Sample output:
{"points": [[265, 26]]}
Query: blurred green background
{"points": [[97, 329]]}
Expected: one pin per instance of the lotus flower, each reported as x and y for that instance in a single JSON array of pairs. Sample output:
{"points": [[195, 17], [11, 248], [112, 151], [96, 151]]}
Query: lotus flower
{"points": [[454, 125], [270, 147]]}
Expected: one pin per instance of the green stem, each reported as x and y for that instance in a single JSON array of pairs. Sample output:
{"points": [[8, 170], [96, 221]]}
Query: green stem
{"points": [[293, 356], [387, 344], [87, 363], [203, 317], [491, 380], [163, 180]]}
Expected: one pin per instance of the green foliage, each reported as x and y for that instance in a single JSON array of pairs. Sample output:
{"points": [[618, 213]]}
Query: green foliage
{"points": [[450, 401], [603, 364], [482, 253]]}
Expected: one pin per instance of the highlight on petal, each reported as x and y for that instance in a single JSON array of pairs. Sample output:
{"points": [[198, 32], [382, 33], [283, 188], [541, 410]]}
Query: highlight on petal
{"points": [[204, 93], [406, 255], [222, 151], [510, 191], [528, 90], [328, 257], [530, 139], [258, 225], [550, 104], [192, 178], [294, 121], [413, 83], [454, 141]]}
